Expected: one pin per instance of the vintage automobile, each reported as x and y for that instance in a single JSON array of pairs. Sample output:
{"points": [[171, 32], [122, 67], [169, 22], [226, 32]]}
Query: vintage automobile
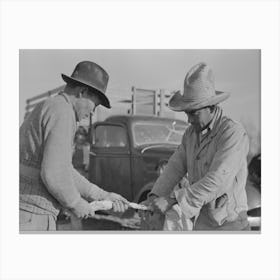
{"points": [[127, 152], [253, 189]]}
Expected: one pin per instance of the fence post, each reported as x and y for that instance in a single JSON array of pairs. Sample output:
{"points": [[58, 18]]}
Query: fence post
{"points": [[161, 102], [133, 104]]}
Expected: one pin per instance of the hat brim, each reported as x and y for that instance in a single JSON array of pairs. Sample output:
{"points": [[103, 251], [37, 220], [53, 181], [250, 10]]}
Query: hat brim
{"points": [[178, 104], [104, 100]]}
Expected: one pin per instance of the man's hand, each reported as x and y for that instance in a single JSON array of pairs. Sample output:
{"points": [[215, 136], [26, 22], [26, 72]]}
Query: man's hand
{"points": [[153, 219], [120, 204], [82, 209], [149, 203], [163, 204]]}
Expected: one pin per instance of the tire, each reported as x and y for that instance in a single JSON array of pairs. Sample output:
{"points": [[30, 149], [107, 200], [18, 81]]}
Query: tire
{"points": [[143, 196]]}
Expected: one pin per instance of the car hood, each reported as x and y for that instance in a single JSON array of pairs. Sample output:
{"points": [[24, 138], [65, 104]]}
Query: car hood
{"points": [[157, 148]]}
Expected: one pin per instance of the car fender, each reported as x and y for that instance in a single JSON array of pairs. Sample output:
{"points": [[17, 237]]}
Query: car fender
{"points": [[147, 188]]}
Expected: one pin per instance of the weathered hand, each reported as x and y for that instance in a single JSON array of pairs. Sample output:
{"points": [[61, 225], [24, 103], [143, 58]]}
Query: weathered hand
{"points": [[82, 209], [148, 202], [120, 204]]}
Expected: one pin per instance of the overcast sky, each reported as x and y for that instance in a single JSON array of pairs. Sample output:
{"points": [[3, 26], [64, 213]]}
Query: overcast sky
{"points": [[236, 71]]}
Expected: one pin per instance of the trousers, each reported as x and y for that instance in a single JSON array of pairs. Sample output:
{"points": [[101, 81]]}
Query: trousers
{"points": [[36, 222], [175, 220]]}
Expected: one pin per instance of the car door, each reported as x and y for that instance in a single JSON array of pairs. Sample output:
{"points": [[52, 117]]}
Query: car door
{"points": [[110, 166]]}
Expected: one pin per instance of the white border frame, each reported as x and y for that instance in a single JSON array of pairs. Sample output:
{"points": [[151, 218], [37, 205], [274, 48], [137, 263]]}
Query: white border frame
{"points": [[156, 24]]}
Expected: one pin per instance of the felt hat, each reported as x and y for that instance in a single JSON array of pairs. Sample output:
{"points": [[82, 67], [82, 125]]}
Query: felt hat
{"points": [[199, 90], [93, 76]]}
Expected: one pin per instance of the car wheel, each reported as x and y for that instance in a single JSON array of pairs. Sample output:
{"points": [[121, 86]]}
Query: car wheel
{"points": [[143, 196]]}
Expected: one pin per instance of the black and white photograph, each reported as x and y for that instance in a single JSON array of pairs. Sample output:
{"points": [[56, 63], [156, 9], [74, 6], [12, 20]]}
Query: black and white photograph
{"points": [[121, 142], [139, 139]]}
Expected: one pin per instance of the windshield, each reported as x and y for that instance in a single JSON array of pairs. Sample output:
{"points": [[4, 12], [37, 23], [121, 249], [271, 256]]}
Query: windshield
{"points": [[146, 132]]}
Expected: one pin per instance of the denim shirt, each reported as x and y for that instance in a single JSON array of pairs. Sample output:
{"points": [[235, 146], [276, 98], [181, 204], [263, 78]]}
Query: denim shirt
{"points": [[216, 163]]}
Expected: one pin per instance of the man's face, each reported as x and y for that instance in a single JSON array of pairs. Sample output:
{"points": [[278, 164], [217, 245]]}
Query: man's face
{"points": [[199, 118], [86, 103]]}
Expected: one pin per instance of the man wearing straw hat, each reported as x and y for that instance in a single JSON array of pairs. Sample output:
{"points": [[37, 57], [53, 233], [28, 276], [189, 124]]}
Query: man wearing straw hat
{"points": [[48, 180], [212, 155]]}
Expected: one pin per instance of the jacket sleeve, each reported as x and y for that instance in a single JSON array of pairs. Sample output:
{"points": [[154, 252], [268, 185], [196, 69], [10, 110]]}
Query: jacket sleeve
{"points": [[232, 149], [56, 167], [87, 190], [173, 172]]}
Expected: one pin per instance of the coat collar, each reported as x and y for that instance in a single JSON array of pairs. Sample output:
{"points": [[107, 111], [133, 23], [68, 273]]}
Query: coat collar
{"points": [[210, 132], [213, 122], [68, 100]]}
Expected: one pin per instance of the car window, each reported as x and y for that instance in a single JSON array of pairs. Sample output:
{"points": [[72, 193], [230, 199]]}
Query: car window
{"points": [[154, 133], [110, 136]]}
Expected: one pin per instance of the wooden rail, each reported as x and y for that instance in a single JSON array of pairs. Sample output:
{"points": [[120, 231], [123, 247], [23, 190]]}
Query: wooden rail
{"points": [[32, 102]]}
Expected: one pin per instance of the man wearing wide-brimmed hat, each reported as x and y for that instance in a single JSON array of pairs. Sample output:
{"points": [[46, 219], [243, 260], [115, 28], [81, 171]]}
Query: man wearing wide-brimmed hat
{"points": [[48, 180], [212, 156]]}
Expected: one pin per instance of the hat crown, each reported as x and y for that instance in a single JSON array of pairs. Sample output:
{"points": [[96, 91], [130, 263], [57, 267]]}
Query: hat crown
{"points": [[199, 90], [199, 83], [91, 74]]}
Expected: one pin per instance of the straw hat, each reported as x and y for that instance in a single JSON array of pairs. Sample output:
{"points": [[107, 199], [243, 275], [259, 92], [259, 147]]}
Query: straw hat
{"points": [[92, 75], [199, 90]]}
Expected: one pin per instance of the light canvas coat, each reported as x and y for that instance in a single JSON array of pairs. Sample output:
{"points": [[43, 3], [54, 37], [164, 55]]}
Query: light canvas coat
{"points": [[215, 163]]}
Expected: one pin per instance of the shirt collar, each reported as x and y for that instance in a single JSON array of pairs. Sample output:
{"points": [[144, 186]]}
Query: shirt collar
{"points": [[213, 121]]}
